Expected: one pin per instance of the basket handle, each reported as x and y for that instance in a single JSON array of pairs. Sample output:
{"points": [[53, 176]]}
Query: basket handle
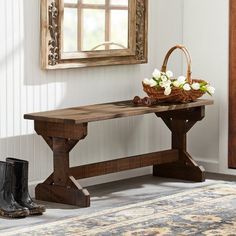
{"points": [[187, 55]]}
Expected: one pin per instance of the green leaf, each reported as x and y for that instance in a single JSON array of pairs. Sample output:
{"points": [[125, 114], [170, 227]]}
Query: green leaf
{"points": [[209, 93]]}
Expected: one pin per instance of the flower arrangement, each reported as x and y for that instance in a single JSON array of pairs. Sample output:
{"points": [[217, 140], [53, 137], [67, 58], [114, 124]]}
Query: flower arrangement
{"points": [[163, 87], [167, 82]]}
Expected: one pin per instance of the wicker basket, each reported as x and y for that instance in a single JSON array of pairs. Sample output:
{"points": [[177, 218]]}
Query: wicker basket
{"points": [[177, 94]]}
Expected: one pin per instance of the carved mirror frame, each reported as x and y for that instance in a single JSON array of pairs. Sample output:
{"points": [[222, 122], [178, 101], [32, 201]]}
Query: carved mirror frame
{"points": [[51, 40]]}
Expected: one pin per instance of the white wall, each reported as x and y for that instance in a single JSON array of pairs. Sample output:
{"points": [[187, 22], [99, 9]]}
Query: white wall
{"points": [[205, 33], [26, 88], [202, 25]]}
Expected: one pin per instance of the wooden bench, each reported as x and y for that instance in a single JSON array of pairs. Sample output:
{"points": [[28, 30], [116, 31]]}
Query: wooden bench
{"points": [[62, 129]]}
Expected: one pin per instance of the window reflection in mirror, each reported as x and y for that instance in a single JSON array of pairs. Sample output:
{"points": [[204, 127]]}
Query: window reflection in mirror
{"points": [[94, 25]]}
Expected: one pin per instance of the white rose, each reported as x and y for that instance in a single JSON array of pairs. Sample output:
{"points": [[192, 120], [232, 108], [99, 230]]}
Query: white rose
{"points": [[187, 87], [169, 74], [146, 81], [163, 78], [176, 83], [181, 79], [165, 84], [167, 91], [195, 86], [153, 83], [211, 89], [162, 84], [156, 74]]}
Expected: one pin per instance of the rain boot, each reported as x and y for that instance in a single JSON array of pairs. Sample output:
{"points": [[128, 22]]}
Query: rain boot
{"points": [[8, 205], [20, 186]]}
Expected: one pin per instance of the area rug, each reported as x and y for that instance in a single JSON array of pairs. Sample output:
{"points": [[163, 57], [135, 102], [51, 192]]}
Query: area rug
{"points": [[208, 210]]}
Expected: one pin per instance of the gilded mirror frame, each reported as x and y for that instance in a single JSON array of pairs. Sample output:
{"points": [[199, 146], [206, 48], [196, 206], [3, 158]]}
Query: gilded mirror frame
{"points": [[52, 56]]}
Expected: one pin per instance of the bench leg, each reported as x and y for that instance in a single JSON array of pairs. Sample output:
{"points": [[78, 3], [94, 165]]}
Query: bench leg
{"points": [[60, 186], [180, 122]]}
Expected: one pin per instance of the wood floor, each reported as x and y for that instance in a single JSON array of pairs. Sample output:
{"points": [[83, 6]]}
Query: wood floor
{"points": [[112, 194]]}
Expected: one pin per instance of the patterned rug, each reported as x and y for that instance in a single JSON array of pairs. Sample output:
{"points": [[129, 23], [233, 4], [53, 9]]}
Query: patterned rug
{"points": [[208, 210]]}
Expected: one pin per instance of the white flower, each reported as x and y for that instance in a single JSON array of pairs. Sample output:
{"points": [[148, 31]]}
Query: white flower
{"points": [[195, 86], [210, 89], [162, 84], [165, 84], [181, 79], [163, 78], [176, 83], [167, 91], [187, 87], [153, 83], [146, 81], [169, 74], [156, 74]]}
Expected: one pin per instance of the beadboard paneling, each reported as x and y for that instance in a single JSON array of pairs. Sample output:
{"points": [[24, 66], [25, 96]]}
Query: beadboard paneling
{"points": [[26, 88], [207, 39]]}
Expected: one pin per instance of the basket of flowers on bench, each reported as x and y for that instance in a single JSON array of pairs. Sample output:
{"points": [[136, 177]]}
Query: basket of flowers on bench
{"points": [[163, 87]]}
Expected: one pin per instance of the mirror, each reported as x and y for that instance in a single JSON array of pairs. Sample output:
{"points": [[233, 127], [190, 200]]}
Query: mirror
{"points": [[79, 33], [95, 25]]}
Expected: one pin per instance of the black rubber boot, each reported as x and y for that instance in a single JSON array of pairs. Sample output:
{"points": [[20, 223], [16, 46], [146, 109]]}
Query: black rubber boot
{"points": [[8, 206], [20, 186]]}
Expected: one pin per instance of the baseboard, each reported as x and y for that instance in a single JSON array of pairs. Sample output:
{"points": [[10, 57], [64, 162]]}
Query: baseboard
{"points": [[209, 165]]}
